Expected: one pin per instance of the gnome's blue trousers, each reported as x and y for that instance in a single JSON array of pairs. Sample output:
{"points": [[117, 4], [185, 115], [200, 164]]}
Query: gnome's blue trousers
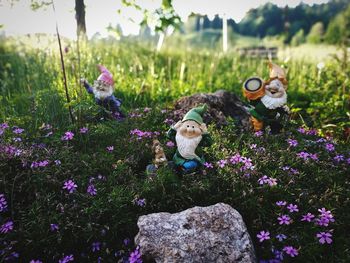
{"points": [[190, 165]]}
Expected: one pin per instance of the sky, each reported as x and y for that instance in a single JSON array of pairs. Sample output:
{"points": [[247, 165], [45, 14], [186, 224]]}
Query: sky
{"points": [[20, 19]]}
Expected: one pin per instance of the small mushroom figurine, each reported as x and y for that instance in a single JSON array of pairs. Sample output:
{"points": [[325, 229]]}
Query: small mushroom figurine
{"points": [[190, 134], [103, 89], [159, 158], [268, 99]]}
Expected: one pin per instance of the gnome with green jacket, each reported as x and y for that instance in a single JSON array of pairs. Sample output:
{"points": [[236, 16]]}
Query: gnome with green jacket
{"points": [[189, 133]]}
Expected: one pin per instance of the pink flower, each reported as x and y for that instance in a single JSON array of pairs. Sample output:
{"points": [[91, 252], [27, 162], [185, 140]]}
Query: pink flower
{"points": [[70, 186], [292, 143], [308, 217], [263, 236], [208, 165], [68, 136], [110, 148], [222, 163], [291, 251], [284, 220], [293, 208], [84, 130], [170, 144], [325, 237]]}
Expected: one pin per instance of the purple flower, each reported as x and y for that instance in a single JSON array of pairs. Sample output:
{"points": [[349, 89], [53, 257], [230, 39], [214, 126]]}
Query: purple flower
{"points": [[17, 139], [291, 251], [18, 130], [312, 132], [54, 227], [68, 136], [313, 156], [35, 261], [146, 109], [329, 147], [258, 133], [263, 236], [272, 181], [253, 146], [338, 158], [91, 190], [236, 158], [66, 259], [281, 203], [325, 237], [7, 227], [222, 163], [308, 217], [292, 143], [208, 165], [84, 130], [169, 122], [95, 246], [303, 155], [170, 144], [140, 202], [263, 180], [57, 162], [4, 126], [281, 237], [3, 203], [110, 148], [325, 217], [278, 256], [70, 186], [135, 256], [348, 161], [284, 220], [301, 130], [126, 241], [293, 208]]}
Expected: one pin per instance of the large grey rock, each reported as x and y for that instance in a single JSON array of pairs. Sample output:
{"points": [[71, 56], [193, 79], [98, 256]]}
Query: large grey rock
{"points": [[221, 105], [215, 233]]}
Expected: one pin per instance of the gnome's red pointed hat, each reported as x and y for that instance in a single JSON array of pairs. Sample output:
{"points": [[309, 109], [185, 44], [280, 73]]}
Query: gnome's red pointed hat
{"points": [[105, 75]]}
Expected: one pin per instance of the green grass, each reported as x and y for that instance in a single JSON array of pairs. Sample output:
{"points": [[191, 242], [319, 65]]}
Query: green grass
{"points": [[32, 93]]}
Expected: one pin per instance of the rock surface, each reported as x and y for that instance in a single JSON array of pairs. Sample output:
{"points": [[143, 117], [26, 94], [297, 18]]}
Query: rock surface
{"points": [[221, 104], [215, 233]]}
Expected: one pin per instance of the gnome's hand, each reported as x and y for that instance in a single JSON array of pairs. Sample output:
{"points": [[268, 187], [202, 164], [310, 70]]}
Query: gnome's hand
{"points": [[177, 125], [286, 109], [204, 128]]}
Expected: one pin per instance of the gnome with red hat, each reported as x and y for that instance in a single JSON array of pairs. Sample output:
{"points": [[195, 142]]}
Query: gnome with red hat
{"points": [[103, 91]]}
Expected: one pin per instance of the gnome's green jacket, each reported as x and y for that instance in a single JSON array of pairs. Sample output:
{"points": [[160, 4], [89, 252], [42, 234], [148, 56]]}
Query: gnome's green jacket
{"points": [[264, 114], [178, 159], [194, 114]]}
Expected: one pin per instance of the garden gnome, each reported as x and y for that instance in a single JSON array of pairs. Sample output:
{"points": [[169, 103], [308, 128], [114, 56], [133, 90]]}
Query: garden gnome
{"points": [[268, 99], [103, 91], [159, 155], [189, 134]]}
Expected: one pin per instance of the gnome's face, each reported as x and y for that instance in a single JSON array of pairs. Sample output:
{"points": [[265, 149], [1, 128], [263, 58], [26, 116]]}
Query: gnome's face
{"points": [[101, 89], [190, 129], [275, 89]]}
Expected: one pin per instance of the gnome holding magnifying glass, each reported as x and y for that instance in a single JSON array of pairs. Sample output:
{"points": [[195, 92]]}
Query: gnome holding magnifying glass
{"points": [[268, 99]]}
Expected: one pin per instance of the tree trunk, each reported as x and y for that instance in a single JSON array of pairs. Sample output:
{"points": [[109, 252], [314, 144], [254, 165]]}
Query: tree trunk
{"points": [[80, 17]]}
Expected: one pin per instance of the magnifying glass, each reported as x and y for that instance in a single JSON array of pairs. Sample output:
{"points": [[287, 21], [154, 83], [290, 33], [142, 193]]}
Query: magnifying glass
{"points": [[253, 84], [253, 88]]}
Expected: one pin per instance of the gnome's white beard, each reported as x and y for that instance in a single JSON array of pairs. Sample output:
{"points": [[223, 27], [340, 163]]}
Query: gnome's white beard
{"points": [[187, 146], [273, 103], [99, 94]]}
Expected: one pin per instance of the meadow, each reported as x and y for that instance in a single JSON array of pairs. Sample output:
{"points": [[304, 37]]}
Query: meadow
{"points": [[73, 189]]}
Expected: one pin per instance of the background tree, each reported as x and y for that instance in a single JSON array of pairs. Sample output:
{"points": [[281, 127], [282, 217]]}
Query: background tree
{"points": [[298, 38], [315, 35]]}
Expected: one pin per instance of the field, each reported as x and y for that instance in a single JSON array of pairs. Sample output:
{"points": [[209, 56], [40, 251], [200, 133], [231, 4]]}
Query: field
{"points": [[304, 170]]}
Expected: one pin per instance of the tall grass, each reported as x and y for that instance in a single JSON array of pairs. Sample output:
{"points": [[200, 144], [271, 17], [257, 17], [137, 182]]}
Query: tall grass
{"points": [[32, 88]]}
